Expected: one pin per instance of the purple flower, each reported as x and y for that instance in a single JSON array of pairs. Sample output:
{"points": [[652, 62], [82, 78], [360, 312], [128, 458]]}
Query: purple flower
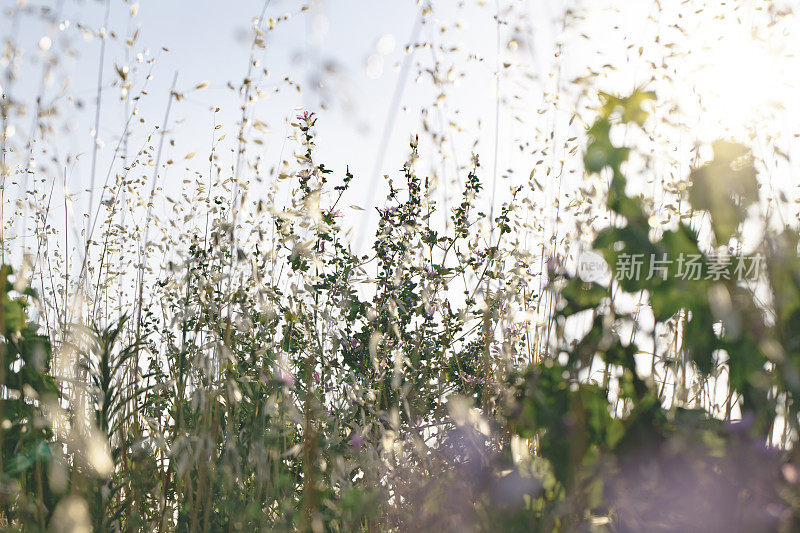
{"points": [[742, 426], [286, 378], [356, 440], [790, 473], [387, 214], [554, 265]]}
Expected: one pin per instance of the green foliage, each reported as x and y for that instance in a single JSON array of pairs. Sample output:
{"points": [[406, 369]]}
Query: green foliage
{"points": [[26, 496], [725, 187], [590, 433]]}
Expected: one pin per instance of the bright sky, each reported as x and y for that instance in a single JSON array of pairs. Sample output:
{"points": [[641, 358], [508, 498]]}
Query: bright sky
{"points": [[735, 58]]}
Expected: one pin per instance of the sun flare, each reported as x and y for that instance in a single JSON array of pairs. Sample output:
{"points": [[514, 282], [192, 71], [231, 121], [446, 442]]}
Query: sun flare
{"points": [[740, 82]]}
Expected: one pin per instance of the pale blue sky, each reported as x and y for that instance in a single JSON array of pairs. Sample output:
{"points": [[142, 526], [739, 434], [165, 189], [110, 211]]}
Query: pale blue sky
{"points": [[209, 41], [333, 42]]}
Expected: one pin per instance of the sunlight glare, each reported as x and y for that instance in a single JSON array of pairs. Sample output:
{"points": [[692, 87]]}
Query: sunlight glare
{"points": [[740, 83]]}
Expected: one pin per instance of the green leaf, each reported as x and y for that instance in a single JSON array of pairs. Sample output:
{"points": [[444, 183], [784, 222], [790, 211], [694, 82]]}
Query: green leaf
{"points": [[725, 187]]}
